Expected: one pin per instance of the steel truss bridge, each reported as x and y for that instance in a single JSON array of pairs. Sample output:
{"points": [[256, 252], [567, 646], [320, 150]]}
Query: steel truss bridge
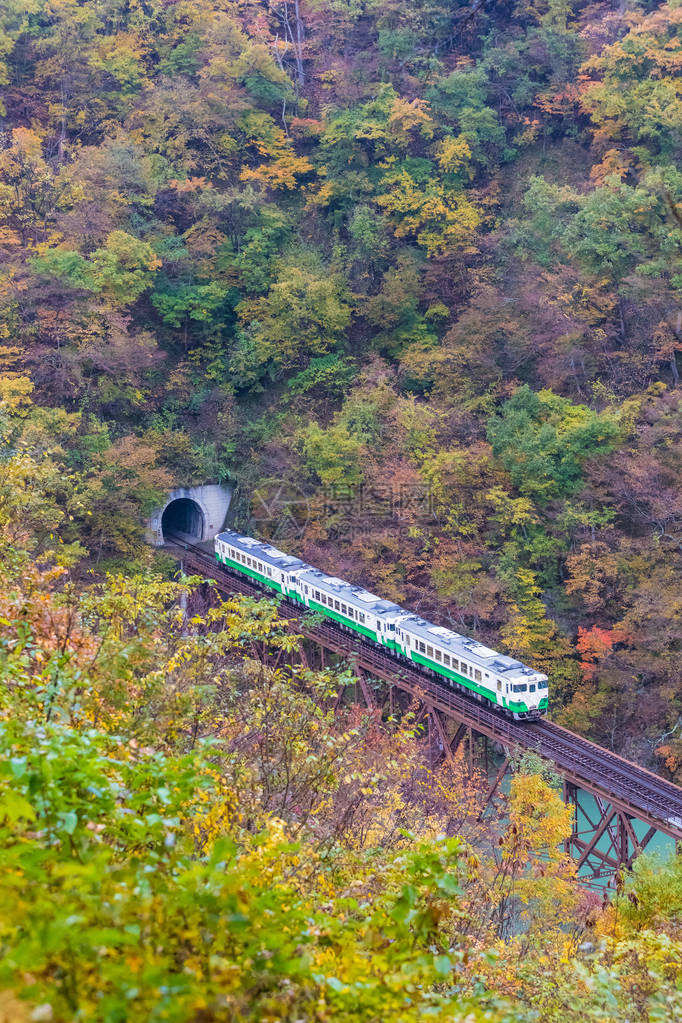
{"points": [[618, 807]]}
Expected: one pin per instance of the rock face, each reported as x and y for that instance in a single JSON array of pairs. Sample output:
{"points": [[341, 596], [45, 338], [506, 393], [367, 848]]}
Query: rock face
{"points": [[197, 513]]}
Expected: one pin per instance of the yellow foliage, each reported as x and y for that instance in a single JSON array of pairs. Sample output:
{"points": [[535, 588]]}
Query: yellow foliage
{"points": [[15, 391], [452, 154], [439, 218]]}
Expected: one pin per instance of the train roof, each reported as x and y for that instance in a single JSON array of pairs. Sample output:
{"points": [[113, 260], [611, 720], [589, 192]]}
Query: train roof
{"points": [[264, 551], [357, 596], [466, 647]]}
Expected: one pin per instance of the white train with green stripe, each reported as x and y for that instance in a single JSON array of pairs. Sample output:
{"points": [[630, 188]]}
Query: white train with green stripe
{"points": [[458, 661]]}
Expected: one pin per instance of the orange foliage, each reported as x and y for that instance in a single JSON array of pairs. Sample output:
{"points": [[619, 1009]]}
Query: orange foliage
{"points": [[595, 644]]}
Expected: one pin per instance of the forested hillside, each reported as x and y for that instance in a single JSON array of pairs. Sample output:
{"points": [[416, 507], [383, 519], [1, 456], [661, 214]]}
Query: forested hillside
{"points": [[420, 261], [407, 275]]}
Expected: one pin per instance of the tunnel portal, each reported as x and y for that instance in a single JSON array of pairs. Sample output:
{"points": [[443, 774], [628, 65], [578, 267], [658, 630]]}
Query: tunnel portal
{"points": [[183, 516], [198, 512]]}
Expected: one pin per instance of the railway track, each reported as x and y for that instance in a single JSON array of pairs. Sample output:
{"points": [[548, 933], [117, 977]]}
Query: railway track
{"points": [[629, 788]]}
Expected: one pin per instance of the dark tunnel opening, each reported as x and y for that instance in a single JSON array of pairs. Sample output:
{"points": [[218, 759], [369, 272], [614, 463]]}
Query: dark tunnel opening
{"points": [[183, 516]]}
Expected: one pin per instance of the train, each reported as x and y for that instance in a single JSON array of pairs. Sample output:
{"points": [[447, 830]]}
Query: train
{"points": [[457, 661]]}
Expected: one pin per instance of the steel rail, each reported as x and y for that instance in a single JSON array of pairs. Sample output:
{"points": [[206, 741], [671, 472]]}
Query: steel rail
{"points": [[630, 789]]}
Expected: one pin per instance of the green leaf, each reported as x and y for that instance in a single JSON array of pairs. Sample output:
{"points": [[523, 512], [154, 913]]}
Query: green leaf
{"points": [[443, 965], [69, 821], [15, 806]]}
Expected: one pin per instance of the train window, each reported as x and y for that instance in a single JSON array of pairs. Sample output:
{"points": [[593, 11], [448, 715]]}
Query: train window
{"points": [[337, 605], [439, 656], [543, 685], [531, 689], [499, 685], [477, 675], [446, 660], [429, 651], [455, 664]]}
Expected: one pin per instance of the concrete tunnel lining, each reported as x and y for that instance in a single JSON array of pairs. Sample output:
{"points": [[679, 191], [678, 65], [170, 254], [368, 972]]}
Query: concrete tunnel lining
{"points": [[183, 515], [197, 511]]}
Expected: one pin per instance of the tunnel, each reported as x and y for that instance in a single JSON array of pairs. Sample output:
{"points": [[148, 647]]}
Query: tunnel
{"points": [[183, 516]]}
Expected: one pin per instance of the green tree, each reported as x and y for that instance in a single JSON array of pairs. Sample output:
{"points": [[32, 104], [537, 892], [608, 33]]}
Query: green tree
{"points": [[543, 441]]}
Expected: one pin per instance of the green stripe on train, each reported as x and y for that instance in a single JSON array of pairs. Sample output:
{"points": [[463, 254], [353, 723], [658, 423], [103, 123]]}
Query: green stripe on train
{"points": [[467, 682], [229, 563], [346, 621]]}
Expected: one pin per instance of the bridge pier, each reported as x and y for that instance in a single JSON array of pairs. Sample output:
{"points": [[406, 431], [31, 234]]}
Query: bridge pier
{"points": [[605, 836]]}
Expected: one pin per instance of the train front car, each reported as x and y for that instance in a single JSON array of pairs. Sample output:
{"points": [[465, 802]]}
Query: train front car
{"points": [[465, 664]]}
